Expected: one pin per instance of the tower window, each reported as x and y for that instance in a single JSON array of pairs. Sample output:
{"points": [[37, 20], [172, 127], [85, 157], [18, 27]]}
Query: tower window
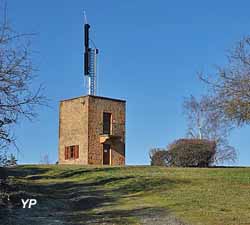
{"points": [[71, 152], [106, 123]]}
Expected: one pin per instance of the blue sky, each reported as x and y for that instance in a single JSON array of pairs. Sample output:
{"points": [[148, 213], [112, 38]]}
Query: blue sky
{"points": [[150, 52]]}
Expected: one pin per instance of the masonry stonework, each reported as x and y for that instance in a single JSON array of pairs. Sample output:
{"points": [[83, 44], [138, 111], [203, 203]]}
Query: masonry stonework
{"points": [[81, 124]]}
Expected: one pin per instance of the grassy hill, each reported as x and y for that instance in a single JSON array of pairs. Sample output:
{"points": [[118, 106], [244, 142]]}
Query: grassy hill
{"points": [[128, 195]]}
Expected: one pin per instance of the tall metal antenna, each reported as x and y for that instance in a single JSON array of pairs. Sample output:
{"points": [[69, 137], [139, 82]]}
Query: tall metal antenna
{"points": [[90, 60]]}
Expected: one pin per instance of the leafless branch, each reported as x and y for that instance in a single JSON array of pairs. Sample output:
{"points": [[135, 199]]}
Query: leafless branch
{"points": [[231, 88], [18, 100]]}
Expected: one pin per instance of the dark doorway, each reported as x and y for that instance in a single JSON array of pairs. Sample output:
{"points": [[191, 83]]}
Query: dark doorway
{"points": [[106, 123], [106, 154]]}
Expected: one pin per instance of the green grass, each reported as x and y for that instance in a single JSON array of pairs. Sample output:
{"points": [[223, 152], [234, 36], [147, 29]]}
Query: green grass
{"points": [[213, 196]]}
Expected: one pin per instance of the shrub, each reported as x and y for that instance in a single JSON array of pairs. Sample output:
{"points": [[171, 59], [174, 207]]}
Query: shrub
{"points": [[8, 161], [191, 153], [12, 161], [158, 157]]}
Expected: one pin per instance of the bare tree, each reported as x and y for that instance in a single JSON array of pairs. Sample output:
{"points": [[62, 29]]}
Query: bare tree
{"points": [[231, 86], [17, 98], [206, 121]]}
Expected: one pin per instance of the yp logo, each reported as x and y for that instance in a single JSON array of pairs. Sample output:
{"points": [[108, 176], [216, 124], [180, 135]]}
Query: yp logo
{"points": [[28, 202]]}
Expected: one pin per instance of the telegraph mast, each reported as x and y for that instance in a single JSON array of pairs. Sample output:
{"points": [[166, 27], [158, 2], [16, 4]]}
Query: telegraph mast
{"points": [[90, 60]]}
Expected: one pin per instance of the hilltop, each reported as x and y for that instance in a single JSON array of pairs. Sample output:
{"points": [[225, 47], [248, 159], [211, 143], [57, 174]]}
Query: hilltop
{"points": [[128, 195]]}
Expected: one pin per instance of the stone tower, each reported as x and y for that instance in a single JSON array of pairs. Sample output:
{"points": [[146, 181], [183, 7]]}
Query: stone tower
{"points": [[92, 131]]}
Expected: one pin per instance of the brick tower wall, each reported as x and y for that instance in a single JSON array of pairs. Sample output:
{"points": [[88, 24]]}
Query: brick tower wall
{"points": [[98, 105], [73, 129]]}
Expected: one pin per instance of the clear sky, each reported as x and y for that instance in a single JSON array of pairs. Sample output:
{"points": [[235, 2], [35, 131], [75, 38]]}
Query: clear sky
{"points": [[150, 52]]}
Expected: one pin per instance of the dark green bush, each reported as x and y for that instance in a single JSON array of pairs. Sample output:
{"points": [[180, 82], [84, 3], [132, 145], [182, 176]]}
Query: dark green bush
{"points": [[191, 153]]}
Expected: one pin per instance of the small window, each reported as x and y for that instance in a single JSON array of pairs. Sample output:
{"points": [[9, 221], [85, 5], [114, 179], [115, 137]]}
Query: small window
{"points": [[106, 123], [72, 152]]}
